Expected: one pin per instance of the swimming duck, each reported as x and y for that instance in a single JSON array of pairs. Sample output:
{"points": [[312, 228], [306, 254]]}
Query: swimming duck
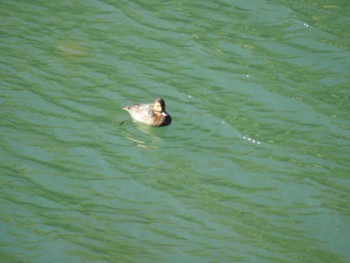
{"points": [[153, 114]]}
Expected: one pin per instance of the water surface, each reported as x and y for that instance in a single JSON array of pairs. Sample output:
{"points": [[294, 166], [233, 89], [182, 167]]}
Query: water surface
{"points": [[254, 167]]}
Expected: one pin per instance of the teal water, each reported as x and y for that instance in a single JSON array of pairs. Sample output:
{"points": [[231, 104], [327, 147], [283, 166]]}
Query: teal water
{"points": [[254, 167]]}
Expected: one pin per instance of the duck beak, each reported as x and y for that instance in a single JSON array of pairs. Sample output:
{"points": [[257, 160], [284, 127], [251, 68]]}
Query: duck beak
{"points": [[164, 113]]}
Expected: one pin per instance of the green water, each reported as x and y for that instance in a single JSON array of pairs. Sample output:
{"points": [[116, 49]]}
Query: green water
{"points": [[254, 167]]}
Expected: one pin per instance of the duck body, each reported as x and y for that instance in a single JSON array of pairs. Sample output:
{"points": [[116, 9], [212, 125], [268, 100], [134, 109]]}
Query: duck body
{"points": [[153, 114]]}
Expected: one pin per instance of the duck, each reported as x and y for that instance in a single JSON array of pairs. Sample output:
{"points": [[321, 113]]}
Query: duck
{"points": [[153, 114]]}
